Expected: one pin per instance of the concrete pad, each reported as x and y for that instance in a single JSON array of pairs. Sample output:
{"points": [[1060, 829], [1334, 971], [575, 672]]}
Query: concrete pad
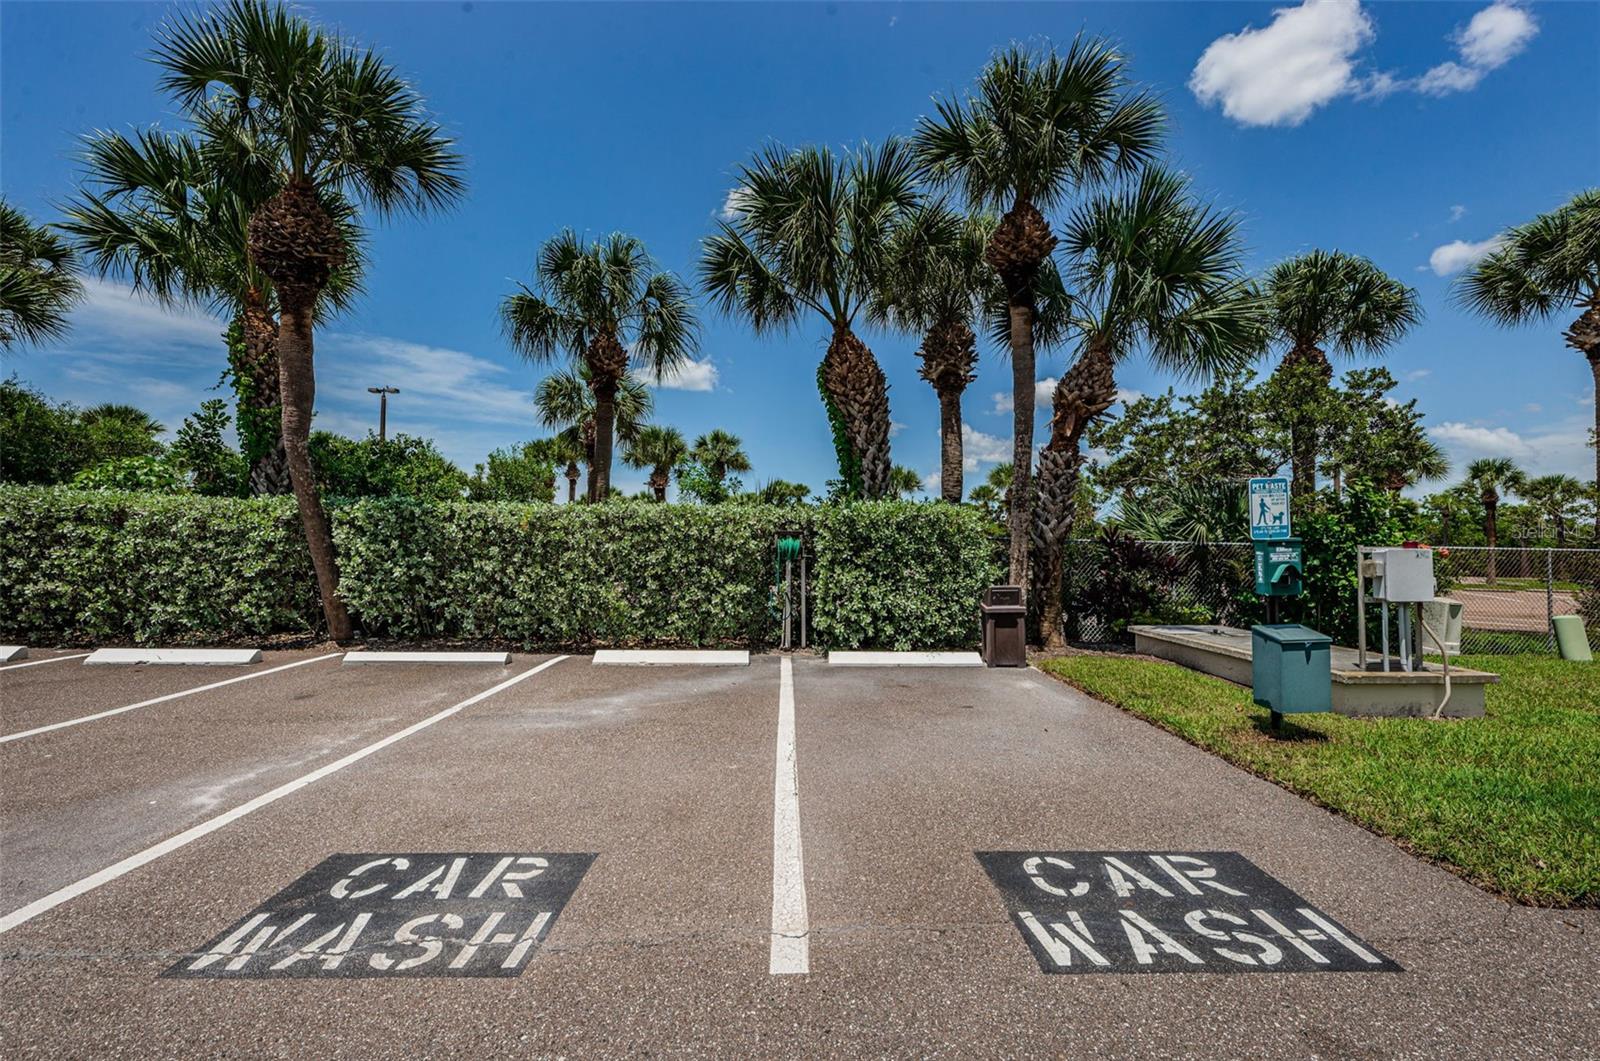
{"points": [[12, 652], [659, 657], [904, 659], [204, 657], [499, 659]]}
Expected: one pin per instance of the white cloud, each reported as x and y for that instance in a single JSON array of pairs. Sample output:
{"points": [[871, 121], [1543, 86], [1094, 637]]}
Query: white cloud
{"points": [[1561, 447], [1457, 213], [1533, 407], [1003, 402], [688, 376], [1496, 34], [1418, 373], [980, 448], [1491, 39], [1128, 396], [1044, 392], [931, 482], [113, 311], [895, 427], [1458, 254], [733, 204], [450, 383], [1279, 74], [1309, 56]]}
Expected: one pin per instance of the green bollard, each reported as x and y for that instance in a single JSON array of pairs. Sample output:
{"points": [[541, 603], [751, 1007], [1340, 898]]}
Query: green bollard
{"points": [[1571, 640]]}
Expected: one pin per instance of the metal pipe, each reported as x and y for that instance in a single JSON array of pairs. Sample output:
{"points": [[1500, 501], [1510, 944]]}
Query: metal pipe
{"points": [[1385, 635], [788, 603], [804, 587], [1361, 612]]}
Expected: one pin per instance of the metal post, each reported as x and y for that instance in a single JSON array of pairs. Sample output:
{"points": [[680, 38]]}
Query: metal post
{"points": [[1361, 614], [788, 602], [383, 408], [804, 587], [1549, 600], [1385, 635]]}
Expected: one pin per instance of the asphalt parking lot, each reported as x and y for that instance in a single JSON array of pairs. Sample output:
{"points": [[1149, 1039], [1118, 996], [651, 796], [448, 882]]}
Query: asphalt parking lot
{"points": [[784, 858]]}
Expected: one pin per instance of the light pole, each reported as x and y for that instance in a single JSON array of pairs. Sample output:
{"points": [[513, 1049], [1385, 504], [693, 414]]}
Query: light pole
{"points": [[383, 408]]}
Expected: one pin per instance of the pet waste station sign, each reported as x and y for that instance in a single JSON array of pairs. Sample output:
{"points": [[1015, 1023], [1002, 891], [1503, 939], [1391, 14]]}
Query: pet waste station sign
{"points": [[1269, 508]]}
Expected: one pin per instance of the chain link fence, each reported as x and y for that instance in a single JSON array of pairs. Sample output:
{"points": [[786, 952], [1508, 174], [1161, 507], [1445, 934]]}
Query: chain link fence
{"points": [[1509, 595]]}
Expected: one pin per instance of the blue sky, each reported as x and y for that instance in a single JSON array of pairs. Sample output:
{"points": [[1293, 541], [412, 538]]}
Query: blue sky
{"points": [[1412, 133]]}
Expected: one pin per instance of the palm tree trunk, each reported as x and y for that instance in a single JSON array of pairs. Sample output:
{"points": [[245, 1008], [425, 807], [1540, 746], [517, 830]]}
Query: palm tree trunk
{"points": [[294, 241], [605, 416], [1489, 529], [949, 354], [1594, 369], [572, 482], [298, 387], [1019, 520], [950, 452], [859, 390], [1085, 392]]}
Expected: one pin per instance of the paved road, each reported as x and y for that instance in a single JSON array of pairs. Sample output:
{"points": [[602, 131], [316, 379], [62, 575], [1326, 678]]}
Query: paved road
{"points": [[1505, 609], [666, 775]]}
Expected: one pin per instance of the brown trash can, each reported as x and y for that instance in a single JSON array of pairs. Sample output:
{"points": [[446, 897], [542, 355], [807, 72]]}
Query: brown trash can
{"points": [[1004, 615]]}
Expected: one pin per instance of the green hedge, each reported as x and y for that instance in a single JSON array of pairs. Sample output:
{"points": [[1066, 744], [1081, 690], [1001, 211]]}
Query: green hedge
{"points": [[106, 566]]}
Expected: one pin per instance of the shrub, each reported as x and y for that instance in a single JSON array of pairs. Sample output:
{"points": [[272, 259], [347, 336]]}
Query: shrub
{"points": [[901, 575], [105, 565]]}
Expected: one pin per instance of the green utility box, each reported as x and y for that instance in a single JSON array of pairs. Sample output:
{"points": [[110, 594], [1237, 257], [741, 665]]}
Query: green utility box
{"points": [[1280, 568], [1291, 668]]}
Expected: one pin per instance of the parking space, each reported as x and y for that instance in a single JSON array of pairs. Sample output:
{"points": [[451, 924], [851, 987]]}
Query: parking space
{"points": [[555, 857]]}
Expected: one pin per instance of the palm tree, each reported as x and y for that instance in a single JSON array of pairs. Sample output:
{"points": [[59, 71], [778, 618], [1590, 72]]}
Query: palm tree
{"points": [[565, 401], [1491, 477], [1037, 129], [903, 481], [1156, 273], [811, 231], [937, 283], [1325, 300], [171, 213], [720, 452], [782, 492], [566, 449], [38, 280], [327, 118], [597, 303], [1554, 496], [660, 449], [1549, 265]]}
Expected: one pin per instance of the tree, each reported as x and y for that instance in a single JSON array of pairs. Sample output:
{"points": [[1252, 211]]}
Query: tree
{"points": [[214, 468], [720, 452], [1549, 265], [810, 230], [660, 449], [171, 214], [782, 492], [151, 475], [38, 280], [1155, 273], [524, 472], [114, 430], [1328, 300], [397, 466], [1555, 497], [1037, 129], [597, 303], [1492, 477], [904, 482], [937, 283], [565, 401], [40, 441], [1365, 433], [328, 118]]}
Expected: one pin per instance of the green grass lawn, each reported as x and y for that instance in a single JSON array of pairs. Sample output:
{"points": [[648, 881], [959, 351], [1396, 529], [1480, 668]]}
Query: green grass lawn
{"points": [[1510, 801]]}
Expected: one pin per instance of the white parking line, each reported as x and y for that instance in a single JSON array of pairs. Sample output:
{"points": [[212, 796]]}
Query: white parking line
{"points": [[42, 662], [791, 927], [211, 825], [161, 699]]}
